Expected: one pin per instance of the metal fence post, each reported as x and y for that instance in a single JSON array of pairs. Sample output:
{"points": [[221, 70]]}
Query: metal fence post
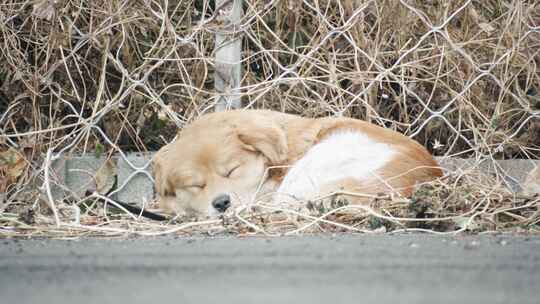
{"points": [[228, 54]]}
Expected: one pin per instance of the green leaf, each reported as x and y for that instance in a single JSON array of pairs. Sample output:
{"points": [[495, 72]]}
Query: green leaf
{"points": [[98, 150], [494, 122]]}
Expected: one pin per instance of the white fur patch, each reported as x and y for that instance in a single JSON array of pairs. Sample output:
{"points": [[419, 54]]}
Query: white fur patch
{"points": [[348, 154]]}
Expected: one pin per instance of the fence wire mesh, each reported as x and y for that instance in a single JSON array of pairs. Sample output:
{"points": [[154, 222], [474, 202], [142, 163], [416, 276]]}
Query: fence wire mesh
{"points": [[113, 77]]}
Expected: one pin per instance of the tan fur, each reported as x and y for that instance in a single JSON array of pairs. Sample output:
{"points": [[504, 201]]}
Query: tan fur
{"points": [[257, 139]]}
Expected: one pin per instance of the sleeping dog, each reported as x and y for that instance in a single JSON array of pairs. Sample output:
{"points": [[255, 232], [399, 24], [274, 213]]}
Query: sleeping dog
{"points": [[226, 159]]}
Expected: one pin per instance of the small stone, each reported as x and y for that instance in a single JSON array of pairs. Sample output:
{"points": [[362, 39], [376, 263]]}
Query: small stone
{"points": [[471, 245], [380, 230]]}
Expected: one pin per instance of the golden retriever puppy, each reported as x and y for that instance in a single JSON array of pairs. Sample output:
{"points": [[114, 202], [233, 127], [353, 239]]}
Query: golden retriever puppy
{"points": [[226, 159]]}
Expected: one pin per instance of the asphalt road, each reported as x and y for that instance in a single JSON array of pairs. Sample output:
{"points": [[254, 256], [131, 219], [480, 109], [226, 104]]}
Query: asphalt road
{"points": [[317, 269]]}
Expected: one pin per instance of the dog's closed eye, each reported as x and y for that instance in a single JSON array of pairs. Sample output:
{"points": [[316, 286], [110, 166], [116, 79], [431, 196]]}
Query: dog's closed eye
{"points": [[195, 188], [232, 171]]}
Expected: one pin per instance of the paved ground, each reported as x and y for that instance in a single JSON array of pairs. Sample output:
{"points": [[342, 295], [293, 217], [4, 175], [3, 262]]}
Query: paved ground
{"points": [[323, 269]]}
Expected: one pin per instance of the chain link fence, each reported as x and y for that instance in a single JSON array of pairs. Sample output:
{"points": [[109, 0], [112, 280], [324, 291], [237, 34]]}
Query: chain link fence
{"points": [[108, 78]]}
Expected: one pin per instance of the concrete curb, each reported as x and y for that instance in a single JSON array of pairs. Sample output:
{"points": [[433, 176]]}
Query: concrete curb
{"points": [[75, 175]]}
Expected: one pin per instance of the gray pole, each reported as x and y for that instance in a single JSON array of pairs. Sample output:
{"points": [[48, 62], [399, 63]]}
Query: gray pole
{"points": [[228, 46]]}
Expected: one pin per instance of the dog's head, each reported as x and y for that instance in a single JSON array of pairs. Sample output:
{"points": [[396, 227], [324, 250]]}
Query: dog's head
{"points": [[217, 162]]}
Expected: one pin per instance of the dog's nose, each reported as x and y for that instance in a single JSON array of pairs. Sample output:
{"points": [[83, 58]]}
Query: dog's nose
{"points": [[222, 202]]}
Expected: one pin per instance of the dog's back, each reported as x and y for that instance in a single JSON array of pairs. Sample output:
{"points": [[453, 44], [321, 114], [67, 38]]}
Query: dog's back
{"points": [[353, 156]]}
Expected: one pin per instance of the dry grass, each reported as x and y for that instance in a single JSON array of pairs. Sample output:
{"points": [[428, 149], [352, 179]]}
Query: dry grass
{"points": [[106, 77], [466, 202]]}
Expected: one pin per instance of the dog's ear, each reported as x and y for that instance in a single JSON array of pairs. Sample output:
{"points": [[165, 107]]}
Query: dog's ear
{"points": [[160, 172], [159, 181], [265, 137]]}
